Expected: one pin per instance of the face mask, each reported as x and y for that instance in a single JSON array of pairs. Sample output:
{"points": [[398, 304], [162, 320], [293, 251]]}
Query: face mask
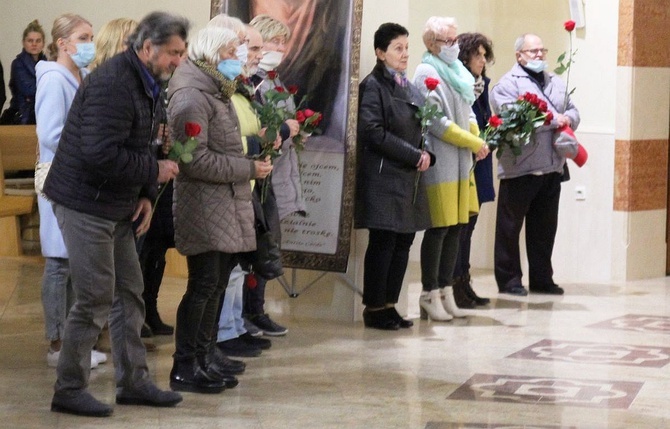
{"points": [[230, 68], [536, 66], [271, 60], [242, 53], [85, 54], [449, 54]]}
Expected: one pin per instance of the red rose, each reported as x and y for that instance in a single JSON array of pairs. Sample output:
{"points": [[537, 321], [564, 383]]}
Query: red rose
{"points": [[279, 89], [316, 121], [431, 83], [300, 116], [569, 25], [272, 74], [495, 121], [542, 105], [293, 89], [192, 129], [309, 113], [548, 117]]}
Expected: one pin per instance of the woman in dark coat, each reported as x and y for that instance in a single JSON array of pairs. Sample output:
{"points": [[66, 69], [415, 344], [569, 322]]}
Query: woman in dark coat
{"points": [[22, 81], [390, 158]]}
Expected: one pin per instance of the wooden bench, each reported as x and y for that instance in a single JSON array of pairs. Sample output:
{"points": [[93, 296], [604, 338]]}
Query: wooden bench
{"points": [[18, 144]]}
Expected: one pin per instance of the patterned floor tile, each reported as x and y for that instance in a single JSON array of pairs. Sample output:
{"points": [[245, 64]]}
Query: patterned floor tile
{"points": [[549, 391], [596, 353], [637, 322]]}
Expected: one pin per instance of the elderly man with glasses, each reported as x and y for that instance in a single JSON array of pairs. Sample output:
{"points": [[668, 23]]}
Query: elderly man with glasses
{"points": [[530, 183]]}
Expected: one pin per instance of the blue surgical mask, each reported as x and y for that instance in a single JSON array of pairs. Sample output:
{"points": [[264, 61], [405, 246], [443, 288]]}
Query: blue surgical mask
{"points": [[449, 54], [85, 54], [242, 53], [536, 66], [230, 68]]}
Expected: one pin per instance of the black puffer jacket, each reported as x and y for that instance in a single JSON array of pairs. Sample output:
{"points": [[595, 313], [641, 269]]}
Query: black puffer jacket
{"points": [[104, 160], [389, 148]]}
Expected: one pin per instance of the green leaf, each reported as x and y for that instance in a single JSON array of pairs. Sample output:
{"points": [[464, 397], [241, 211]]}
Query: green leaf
{"points": [[186, 157], [190, 145], [561, 58]]}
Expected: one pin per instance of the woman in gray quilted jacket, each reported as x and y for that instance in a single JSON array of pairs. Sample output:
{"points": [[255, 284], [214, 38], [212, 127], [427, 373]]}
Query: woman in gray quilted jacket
{"points": [[213, 214]]}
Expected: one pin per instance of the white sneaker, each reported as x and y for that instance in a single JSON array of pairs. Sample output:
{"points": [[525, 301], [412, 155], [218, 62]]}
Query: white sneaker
{"points": [[52, 359]]}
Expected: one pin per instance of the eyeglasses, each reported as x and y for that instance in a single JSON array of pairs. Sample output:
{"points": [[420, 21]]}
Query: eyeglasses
{"points": [[450, 42], [536, 52]]}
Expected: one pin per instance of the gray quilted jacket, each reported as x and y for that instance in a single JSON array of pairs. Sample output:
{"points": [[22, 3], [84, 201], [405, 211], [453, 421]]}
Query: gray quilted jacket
{"points": [[212, 195]]}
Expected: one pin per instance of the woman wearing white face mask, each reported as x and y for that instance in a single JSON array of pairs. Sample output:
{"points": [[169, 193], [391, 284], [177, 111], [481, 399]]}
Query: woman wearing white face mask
{"points": [[213, 215], [453, 138], [57, 82]]}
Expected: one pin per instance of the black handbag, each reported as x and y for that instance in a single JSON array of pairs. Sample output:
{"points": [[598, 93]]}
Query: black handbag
{"points": [[11, 116], [265, 261]]}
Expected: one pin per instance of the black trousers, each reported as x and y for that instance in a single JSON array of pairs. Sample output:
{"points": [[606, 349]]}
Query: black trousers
{"points": [[384, 267], [462, 267], [208, 275], [533, 199]]}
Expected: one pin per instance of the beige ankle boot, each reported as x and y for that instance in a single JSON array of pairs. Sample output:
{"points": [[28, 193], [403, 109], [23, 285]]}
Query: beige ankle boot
{"points": [[431, 306], [448, 302]]}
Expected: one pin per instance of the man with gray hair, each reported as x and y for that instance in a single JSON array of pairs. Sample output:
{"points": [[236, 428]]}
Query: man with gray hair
{"points": [[103, 178], [530, 183]]}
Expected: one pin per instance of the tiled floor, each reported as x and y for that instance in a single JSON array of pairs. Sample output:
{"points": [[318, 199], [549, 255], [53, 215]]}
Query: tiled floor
{"points": [[595, 358]]}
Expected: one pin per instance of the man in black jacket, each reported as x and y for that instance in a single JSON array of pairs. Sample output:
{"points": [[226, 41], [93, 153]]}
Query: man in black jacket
{"points": [[104, 177]]}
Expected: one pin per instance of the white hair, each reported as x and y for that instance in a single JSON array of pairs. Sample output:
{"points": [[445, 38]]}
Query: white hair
{"points": [[208, 41], [225, 21], [437, 23]]}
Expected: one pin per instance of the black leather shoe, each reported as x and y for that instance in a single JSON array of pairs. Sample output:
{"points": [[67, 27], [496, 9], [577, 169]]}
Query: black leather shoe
{"points": [[238, 348], [393, 315], [517, 290], [226, 364], [212, 369], [146, 331], [379, 319], [261, 343], [187, 376], [161, 328], [552, 289]]}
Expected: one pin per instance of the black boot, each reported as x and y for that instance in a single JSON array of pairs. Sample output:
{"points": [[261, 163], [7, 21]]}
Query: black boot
{"points": [[379, 319], [212, 369], [467, 286], [187, 376], [460, 295]]}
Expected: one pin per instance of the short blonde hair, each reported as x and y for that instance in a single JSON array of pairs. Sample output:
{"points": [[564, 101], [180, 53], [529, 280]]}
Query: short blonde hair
{"points": [[206, 44], [112, 39], [270, 27], [434, 25], [225, 21]]}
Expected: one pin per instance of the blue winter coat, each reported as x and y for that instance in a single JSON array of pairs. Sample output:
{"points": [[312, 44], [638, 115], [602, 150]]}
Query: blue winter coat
{"points": [[23, 84]]}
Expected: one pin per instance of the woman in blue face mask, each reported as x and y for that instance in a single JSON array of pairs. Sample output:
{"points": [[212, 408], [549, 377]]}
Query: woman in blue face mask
{"points": [[57, 83], [213, 214]]}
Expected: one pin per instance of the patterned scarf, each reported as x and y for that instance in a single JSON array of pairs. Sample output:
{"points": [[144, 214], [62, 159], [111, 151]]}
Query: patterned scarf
{"points": [[226, 87], [454, 75]]}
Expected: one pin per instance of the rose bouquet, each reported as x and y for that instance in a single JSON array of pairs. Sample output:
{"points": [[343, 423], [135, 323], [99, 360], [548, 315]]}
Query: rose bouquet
{"points": [[514, 125], [426, 114], [309, 121], [181, 152]]}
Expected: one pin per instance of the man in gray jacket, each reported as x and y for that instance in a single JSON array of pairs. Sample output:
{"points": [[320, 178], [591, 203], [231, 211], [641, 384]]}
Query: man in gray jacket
{"points": [[530, 183]]}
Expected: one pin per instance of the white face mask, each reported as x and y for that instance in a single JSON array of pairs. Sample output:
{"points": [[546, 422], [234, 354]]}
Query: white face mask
{"points": [[536, 66], [271, 60], [449, 54], [242, 53]]}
